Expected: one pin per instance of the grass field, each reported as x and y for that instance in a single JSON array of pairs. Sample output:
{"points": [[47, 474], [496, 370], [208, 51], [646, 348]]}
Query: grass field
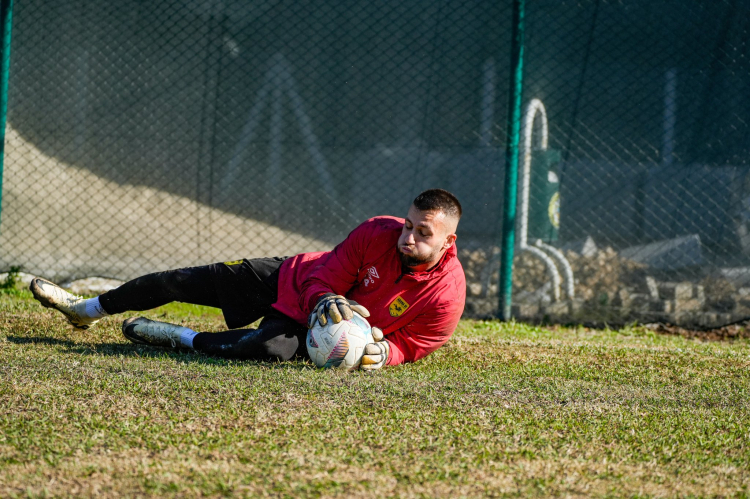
{"points": [[503, 410]]}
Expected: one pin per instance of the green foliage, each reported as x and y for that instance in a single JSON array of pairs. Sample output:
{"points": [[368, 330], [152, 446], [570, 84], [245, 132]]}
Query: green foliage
{"points": [[9, 285], [503, 409]]}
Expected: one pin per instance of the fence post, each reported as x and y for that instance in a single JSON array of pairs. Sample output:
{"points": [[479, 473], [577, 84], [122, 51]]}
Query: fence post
{"points": [[512, 139], [6, 21]]}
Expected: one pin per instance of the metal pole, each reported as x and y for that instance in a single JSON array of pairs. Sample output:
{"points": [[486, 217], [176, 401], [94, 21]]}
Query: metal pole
{"points": [[6, 21], [512, 139]]}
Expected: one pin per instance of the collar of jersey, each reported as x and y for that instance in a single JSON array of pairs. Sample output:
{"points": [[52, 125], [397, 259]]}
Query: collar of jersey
{"points": [[438, 270]]}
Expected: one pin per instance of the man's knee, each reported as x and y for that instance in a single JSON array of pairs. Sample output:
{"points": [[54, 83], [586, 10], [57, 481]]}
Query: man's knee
{"points": [[192, 285], [280, 348], [173, 280], [255, 344]]}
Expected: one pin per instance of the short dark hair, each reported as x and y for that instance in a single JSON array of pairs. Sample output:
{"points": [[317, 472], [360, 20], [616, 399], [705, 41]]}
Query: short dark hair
{"points": [[438, 200]]}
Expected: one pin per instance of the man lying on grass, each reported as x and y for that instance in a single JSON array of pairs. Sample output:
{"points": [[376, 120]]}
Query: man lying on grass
{"points": [[403, 273]]}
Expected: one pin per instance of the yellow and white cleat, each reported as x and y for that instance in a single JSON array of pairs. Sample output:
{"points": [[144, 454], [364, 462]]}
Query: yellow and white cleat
{"points": [[73, 307], [147, 332]]}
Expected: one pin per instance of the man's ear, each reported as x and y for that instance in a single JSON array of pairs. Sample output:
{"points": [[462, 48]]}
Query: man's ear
{"points": [[450, 240]]}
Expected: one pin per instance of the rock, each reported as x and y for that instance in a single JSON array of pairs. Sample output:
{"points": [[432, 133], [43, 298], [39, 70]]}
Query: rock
{"points": [[708, 319], [714, 319], [666, 306], [640, 302], [557, 309], [688, 318], [525, 310], [576, 306], [537, 297], [675, 290], [743, 304], [586, 247], [670, 254], [699, 293], [614, 286], [623, 298], [718, 293], [687, 305], [481, 307], [685, 295], [23, 278], [474, 289], [739, 277]]}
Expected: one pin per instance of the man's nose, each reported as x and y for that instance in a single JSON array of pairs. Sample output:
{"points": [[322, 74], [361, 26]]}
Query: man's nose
{"points": [[410, 238]]}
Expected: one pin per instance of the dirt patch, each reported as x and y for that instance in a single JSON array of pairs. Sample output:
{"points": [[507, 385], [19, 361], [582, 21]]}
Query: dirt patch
{"points": [[729, 332], [724, 333]]}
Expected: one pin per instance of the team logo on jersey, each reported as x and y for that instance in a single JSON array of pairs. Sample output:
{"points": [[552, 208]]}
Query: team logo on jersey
{"points": [[397, 307], [372, 274], [233, 262]]}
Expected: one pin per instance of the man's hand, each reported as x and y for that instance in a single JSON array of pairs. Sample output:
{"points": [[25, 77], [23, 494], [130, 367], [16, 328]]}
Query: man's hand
{"points": [[337, 308], [376, 354]]}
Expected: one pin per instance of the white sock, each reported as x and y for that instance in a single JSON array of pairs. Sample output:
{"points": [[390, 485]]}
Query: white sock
{"points": [[94, 309], [186, 337]]}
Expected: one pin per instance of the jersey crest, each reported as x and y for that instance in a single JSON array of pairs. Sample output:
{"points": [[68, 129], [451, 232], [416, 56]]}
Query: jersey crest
{"points": [[397, 307]]}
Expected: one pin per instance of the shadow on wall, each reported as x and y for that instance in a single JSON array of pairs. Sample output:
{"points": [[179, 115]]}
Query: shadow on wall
{"points": [[623, 204], [259, 110]]}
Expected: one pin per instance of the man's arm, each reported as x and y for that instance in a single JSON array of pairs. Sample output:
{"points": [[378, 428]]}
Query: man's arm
{"points": [[338, 271]]}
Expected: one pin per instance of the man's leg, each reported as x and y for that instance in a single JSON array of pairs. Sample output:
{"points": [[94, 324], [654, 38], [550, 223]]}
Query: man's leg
{"points": [[243, 289], [191, 285], [277, 338]]}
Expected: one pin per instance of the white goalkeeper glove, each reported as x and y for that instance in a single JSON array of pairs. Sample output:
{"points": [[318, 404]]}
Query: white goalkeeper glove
{"points": [[337, 308], [376, 354]]}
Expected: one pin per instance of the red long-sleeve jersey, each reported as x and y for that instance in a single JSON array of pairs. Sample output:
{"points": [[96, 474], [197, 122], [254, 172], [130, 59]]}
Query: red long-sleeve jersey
{"points": [[417, 311]]}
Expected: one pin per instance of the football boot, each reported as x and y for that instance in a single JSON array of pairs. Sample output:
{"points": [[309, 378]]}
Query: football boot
{"points": [[73, 307], [147, 332]]}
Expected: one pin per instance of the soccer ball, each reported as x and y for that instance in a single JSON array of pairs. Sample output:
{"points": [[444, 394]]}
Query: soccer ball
{"points": [[339, 345]]}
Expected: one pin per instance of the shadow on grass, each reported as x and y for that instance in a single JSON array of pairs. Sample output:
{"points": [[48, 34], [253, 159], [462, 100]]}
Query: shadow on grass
{"points": [[145, 351]]}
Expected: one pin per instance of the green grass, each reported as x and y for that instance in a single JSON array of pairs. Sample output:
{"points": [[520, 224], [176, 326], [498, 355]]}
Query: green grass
{"points": [[503, 410]]}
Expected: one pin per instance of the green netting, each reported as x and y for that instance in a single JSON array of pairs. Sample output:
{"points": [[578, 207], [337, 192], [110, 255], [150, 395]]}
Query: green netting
{"points": [[152, 135]]}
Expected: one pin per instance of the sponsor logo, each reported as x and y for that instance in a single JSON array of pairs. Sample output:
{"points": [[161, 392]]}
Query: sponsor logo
{"points": [[554, 210], [233, 262], [372, 274], [397, 307]]}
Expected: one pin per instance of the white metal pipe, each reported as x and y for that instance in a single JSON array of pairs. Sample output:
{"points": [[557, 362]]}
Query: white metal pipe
{"points": [[541, 250], [527, 128], [551, 269], [567, 269]]}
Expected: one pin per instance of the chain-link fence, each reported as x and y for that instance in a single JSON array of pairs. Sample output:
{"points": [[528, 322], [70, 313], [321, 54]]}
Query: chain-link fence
{"points": [[152, 135], [647, 114]]}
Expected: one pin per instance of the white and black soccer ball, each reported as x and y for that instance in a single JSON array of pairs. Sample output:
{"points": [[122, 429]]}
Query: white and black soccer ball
{"points": [[339, 345]]}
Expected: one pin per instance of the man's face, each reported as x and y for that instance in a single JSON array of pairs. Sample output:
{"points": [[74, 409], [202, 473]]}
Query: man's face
{"points": [[424, 238]]}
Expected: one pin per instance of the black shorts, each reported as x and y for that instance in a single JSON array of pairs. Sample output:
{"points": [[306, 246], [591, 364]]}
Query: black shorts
{"points": [[243, 289], [246, 289]]}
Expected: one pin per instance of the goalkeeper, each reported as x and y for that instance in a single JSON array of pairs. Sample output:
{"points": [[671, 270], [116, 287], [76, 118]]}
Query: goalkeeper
{"points": [[403, 274]]}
